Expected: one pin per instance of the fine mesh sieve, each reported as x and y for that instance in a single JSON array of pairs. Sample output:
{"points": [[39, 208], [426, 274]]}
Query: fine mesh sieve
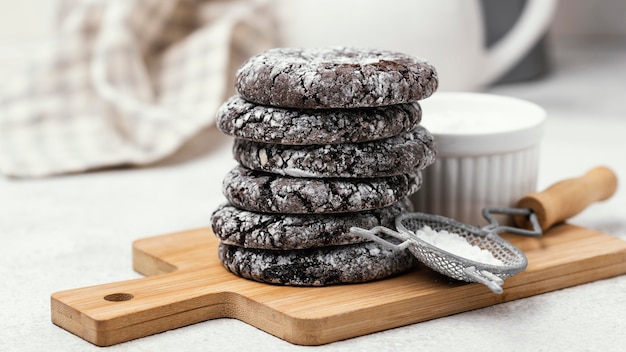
{"points": [[513, 259]]}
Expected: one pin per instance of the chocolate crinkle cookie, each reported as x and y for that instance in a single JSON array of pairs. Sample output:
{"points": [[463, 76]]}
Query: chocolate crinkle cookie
{"points": [[406, 153], [334, 78], [348, 264], [265, 192], [234, 226], [260, 123]]}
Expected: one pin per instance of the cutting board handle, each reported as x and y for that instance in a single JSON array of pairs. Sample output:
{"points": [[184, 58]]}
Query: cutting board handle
{"points": [[569, 197]]}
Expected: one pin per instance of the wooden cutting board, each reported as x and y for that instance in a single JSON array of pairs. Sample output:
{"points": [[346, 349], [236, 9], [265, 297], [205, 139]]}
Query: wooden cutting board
{"points": [[186, 284]]}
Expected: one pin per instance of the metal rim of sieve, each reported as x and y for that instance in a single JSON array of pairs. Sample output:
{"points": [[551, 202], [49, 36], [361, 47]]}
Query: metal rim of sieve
{"points": [[453, 265]]}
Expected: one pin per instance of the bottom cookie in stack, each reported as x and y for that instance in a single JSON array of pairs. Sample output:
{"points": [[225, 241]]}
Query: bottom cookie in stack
{"points": [[320, 266]]}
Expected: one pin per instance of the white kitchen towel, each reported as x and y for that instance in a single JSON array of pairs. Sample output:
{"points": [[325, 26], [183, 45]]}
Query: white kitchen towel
{"points": [[126, 82]]}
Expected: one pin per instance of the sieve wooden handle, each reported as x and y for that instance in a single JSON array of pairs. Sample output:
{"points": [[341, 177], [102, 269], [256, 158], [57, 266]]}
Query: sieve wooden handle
{"points": [[569, 197]]}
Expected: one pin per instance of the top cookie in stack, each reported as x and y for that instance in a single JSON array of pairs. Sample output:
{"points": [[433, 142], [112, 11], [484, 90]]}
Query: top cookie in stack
{"points": [[326, 139], [335, 78]]}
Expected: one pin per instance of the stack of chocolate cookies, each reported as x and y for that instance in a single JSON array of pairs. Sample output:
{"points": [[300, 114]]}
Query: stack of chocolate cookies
{"points": [[326, 139]]}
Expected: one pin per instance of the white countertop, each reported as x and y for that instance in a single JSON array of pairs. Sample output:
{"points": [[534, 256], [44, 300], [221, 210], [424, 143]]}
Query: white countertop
{"points": [[73, 231]]}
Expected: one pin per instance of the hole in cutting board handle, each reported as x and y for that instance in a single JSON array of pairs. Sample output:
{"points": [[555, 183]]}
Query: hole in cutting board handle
{"points": [[118, 297]]}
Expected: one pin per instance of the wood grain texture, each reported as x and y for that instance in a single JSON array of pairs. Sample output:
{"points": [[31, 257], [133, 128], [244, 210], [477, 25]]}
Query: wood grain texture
{"points": [[186, 284], [567, 198]]}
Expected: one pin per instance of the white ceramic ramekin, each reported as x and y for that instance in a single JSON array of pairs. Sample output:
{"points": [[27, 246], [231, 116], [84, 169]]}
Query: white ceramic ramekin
{"points": [[488, 154]]}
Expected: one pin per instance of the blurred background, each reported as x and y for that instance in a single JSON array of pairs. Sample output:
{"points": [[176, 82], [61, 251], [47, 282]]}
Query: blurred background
{"points": [[26, 23]]}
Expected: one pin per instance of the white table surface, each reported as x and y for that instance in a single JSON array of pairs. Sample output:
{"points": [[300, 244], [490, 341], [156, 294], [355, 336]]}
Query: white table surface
{"points": [[73, 231]]}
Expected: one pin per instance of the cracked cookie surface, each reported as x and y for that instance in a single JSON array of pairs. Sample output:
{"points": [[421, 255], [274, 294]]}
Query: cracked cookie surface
{"points": [[265, 192], [323, 266], [234, 226], [260, 123], [338, 77], [402, 154]]}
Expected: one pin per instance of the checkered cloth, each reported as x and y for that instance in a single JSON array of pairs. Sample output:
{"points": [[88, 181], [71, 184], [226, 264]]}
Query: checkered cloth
{"points": [[126, 82]]}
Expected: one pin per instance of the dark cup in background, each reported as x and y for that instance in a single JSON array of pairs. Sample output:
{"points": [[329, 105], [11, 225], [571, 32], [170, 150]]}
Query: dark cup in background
{"points": [[500, 16]]}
